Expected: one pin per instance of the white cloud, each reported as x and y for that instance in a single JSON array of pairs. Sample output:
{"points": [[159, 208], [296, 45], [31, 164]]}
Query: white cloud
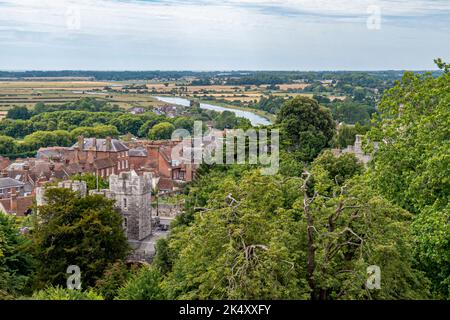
{"points": [[356, 7], [127, 16], [209, 33]]}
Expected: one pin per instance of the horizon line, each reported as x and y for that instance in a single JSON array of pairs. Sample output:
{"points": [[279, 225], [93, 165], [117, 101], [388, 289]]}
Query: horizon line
{"points": [[212, 70]]}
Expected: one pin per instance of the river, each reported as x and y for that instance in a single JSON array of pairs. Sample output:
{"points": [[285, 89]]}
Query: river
{"points": [[256, 120]]}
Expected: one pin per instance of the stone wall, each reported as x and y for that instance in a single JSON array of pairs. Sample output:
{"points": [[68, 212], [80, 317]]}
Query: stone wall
{"points": [[76, 186], [168, 210]]}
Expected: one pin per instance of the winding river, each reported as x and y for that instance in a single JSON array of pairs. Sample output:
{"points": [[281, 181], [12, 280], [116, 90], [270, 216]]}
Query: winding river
{"points": [[256, 120]]}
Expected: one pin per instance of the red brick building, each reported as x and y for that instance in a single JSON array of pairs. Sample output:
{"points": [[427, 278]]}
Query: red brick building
{"points": [[156, 157], [102, 157]]}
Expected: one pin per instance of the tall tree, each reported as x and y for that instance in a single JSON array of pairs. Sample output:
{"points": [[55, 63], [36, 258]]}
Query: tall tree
{"points": [[16, 263], [274, 237], [18, 112], [161, 131], [306, 127], [411, 164], [73, 230]]}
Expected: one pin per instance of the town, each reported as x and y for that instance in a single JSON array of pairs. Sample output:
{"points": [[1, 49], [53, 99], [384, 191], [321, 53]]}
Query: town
{"points": [[223, 158]]}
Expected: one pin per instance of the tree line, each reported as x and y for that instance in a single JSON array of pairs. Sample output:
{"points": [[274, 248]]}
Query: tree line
{"points": [[46, 126]]}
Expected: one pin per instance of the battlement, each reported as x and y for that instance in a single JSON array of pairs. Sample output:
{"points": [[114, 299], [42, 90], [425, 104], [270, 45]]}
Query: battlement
{"points": [[131, 183]]}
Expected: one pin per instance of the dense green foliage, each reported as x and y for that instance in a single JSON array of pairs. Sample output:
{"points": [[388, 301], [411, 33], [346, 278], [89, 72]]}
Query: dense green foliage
{"points": [[70, 230], [93, 182], [50, 125], [271, 104], [351, 112], [16, 264], [161, 131], [59, 293], [115, 277], [346, 135], [256, 228], [143, 285], [18, 112], [228, 120], [306, 128], [411, 166]]}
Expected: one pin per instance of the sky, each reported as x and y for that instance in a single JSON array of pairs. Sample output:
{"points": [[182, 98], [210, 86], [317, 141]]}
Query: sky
{"points": [[223, 35]]}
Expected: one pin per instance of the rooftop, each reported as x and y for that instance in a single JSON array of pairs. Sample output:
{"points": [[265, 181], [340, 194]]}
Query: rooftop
{"points": [[102, 145], [138, 152], [9, 183]]}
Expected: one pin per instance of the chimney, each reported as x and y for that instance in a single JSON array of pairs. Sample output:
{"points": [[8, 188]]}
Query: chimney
{"points": [[80, 143], [13, 203], [108, 143]]}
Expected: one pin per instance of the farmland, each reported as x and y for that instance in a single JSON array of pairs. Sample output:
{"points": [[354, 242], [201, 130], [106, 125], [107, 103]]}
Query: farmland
{"points": [[128, 94], [29, 93]]}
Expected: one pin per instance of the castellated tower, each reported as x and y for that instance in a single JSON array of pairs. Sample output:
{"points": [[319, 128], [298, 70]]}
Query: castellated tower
{"points": [[132, 195]]}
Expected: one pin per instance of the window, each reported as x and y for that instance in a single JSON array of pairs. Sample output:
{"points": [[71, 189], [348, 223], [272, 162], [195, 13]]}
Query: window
{"points": [[125, 223], [125, 203]]}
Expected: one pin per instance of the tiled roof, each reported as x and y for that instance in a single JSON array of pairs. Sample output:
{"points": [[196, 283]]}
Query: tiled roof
{"points": [[9, 183], [138, 152], [104, 163], [51, 152], [101, 145], [165, 184]]}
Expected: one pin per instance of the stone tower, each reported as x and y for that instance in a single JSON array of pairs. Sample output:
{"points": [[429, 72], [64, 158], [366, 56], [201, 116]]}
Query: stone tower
{"points": [[132, 195]]}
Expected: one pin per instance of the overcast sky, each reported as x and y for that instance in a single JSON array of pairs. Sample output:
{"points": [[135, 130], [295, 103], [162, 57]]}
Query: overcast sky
{"points": [[223, 35]]}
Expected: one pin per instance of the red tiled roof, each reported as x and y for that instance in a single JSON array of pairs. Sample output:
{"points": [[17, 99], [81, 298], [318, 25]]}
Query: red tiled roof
{"points": [[166, 184]]}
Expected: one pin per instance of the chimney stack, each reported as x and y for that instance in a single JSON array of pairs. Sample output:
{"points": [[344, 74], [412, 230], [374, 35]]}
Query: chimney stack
{"points": [[108, 143], [81, 142], [13, 203]]}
